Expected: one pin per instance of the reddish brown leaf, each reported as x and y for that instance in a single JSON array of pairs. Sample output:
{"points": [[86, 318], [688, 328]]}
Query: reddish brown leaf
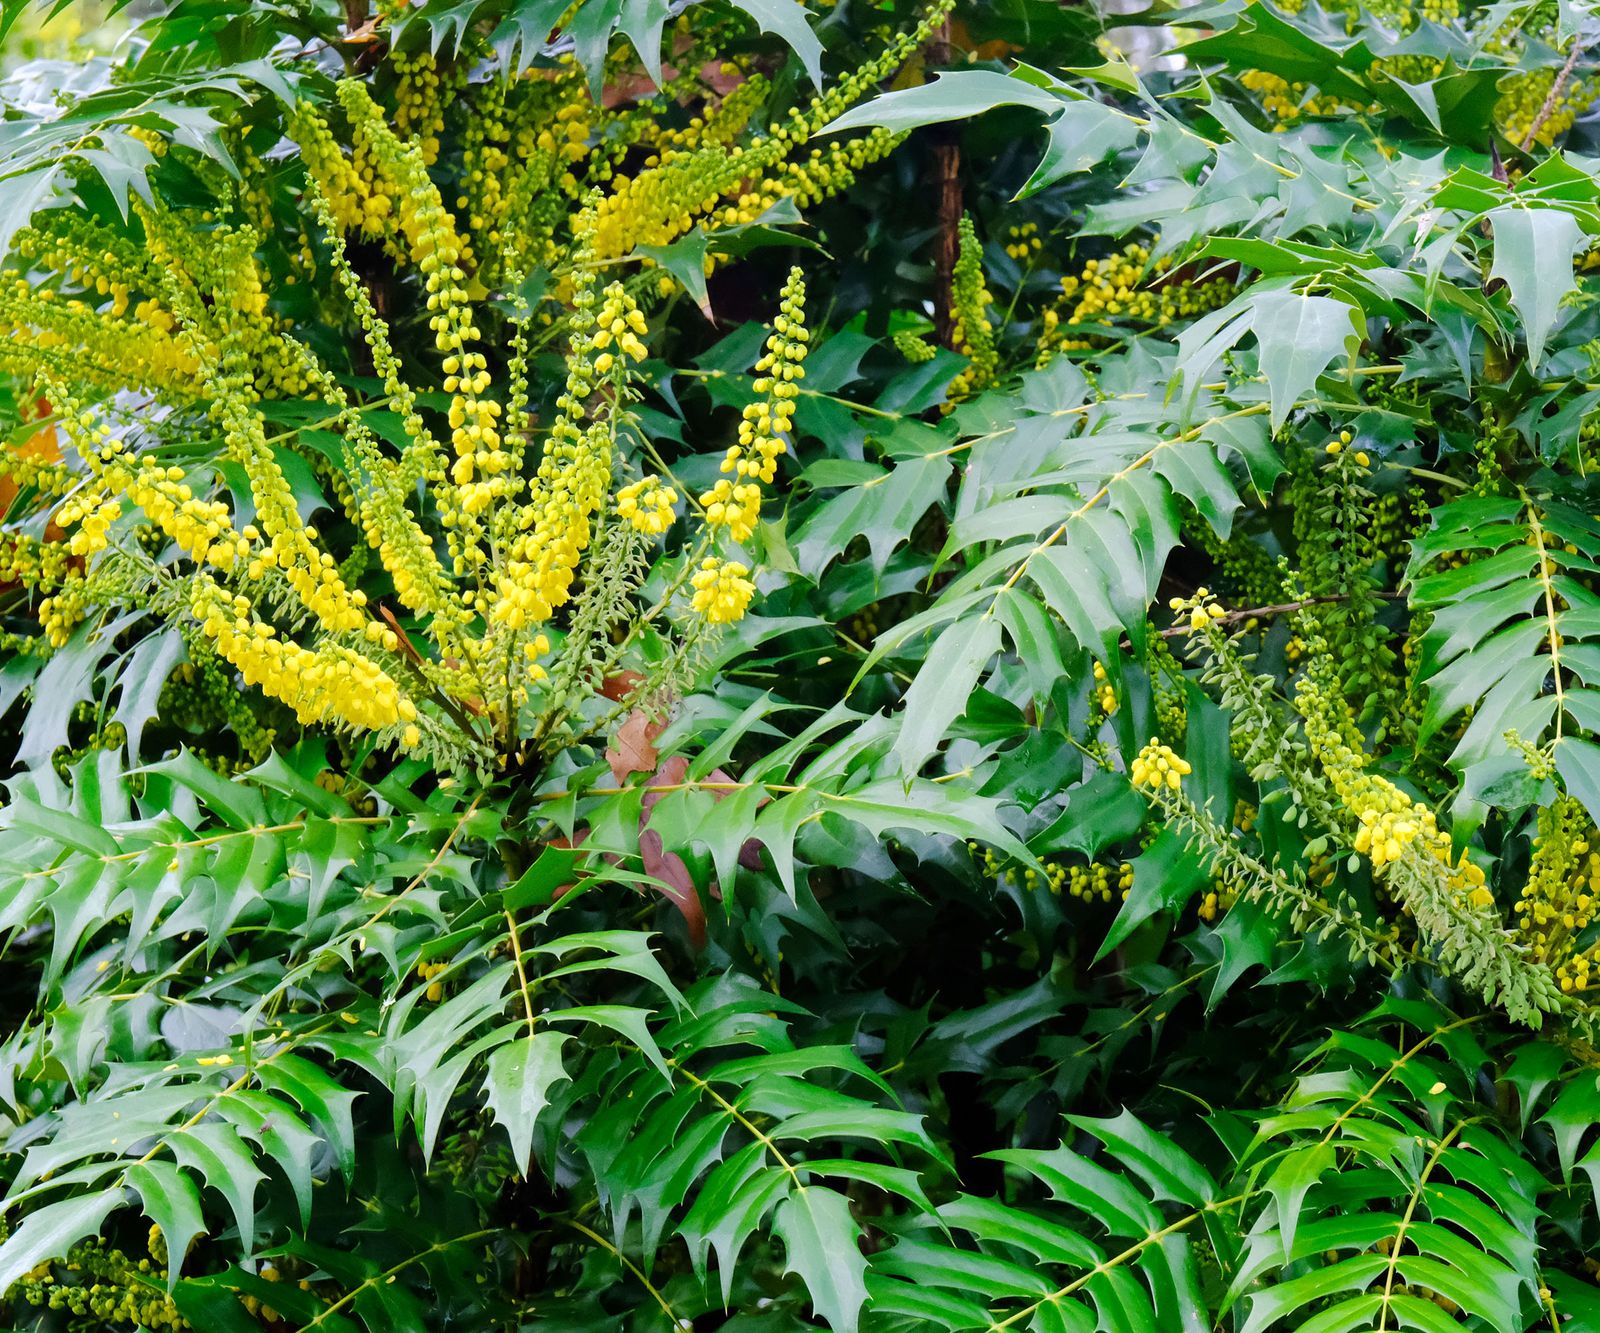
{"points": [[620, 684], [668, 867]]}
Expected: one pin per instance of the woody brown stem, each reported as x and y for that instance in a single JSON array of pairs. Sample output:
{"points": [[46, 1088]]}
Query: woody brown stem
{"points": [[947, 207]]}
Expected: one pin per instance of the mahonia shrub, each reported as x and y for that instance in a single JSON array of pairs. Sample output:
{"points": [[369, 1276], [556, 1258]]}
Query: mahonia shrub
{"points": [[505, 534], [730, 666]]}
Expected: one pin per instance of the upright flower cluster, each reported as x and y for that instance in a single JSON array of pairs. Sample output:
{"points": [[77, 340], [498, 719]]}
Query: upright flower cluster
{"points": [[488, 514], [735, 501], [437, 250], [973, 334], [574, 473], [1563, 891]]}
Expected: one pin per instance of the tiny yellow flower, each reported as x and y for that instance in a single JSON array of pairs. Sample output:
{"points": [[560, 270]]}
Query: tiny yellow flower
{"points": [[722, 593], [1159, 766]]}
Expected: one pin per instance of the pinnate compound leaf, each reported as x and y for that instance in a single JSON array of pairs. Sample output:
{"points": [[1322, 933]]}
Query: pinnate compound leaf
{"points": [[820, 1240]]}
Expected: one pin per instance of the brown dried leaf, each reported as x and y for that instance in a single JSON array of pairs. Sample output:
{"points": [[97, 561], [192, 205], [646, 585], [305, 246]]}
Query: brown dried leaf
{"points": [[634, 749]]}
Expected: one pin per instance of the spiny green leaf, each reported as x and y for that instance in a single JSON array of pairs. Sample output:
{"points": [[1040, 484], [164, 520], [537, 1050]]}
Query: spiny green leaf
{"points": [[521, 1074], [787, 19], [821, 1242], [49, 1232], [1299, 336], [1533, 249], [172, 1202], [949, 97], [942, 688]]}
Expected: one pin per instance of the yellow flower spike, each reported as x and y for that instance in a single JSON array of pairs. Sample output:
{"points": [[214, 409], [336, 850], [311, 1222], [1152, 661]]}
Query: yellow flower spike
{"points": [[329, 684], [736, 505]]}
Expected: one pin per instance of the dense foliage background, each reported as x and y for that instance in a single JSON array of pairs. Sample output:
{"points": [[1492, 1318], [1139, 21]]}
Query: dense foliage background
{"points": [[721, 665]]}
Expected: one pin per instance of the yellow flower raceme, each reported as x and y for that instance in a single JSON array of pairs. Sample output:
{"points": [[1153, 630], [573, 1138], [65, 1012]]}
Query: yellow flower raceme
{"points": [[973, 334], [478, 474], [64, 610], [1126, 286], [1105, 692], [421, 96], [328, 684], [575, 471], [336, 176], [914, 348], [1201, 609], [735, 501], [737, 184], [1562, 895], [202, 529], [386, 486], [65, 335], [1388, 822]]}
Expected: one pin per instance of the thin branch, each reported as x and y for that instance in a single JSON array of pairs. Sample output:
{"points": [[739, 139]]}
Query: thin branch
{"points": [[522, 973], [1279, 609], [1553, 96], [632, 1267]]}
